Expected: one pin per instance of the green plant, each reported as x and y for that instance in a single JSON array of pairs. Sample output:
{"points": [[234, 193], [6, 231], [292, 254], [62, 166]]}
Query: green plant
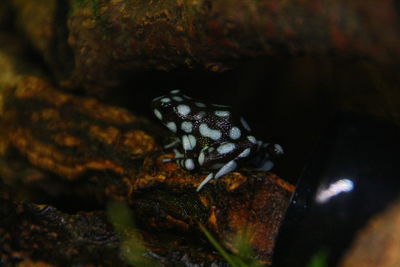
{"points": [[243, 257], [132, 248], [319, 259]]}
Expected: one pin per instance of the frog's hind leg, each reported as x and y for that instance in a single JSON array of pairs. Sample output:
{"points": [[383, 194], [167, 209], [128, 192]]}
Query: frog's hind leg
{"points": [[267, 165], [225, 169], [265, 153]]}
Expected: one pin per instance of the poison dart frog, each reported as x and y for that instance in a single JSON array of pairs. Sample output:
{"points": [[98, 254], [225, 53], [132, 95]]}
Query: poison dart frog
{"points": [[209, 137]]}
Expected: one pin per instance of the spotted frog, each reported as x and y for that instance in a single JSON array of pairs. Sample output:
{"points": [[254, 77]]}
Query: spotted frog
{"points": [[208, 136]]}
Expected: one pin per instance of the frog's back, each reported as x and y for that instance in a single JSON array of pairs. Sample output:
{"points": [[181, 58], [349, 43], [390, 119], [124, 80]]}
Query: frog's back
{"points": [[209, 123]]}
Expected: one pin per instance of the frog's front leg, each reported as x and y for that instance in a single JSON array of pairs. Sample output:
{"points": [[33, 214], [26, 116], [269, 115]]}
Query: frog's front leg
{"points": [[185, 159], [174, 143], [187, 163], [182, 161], [188, 143], [178, 156]]}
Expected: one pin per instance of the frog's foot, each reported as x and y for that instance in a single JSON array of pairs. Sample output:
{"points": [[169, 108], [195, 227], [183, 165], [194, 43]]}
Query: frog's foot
{"points": [[267, 165], [225, 169], [178, 156], [186, 163], [274, 150], [170, 160]]}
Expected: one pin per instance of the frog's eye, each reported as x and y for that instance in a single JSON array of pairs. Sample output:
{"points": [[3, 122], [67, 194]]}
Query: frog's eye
{"points": [[162, 100], [161, 106], [165, 104]]}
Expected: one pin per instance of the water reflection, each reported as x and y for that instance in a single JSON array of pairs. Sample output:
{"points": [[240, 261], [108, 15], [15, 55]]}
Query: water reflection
{"points": [[347, 182], [335, 188]]}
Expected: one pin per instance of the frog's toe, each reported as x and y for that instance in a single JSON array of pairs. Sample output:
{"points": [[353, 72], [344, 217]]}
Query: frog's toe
{"points": [[227, 168], [267, 165], [172, 144], [205, 181]]}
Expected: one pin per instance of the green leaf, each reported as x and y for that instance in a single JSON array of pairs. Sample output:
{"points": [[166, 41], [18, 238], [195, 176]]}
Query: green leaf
{"points": [[319, 259], [132, 248], [241, 243]]}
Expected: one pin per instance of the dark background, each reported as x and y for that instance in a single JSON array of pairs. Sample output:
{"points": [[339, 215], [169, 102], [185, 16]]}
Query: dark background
{"points": [[288, 100]]}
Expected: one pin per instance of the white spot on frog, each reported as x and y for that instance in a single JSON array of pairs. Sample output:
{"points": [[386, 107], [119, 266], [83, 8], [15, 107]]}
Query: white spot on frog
{"points": [[201, 158], [187, 126], [172, 126], [252, 139], [234, 133], [188, 142], [222, 113], [158, 114], [208, 132], [245, 153], [200, 105], [226, 148], [165, 100], [183, 109], [189, 164], [177, 98]]}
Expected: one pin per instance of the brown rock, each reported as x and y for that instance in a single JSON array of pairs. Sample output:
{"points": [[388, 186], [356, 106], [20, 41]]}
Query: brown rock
{"points": [[99, 152], [378, 243]]}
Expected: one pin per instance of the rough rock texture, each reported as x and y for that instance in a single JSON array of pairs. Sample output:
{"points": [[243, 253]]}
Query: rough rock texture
{"points": [[31, 231], [43, 24], [82, 149], [95, 43], [74, 153], [214, 34]]}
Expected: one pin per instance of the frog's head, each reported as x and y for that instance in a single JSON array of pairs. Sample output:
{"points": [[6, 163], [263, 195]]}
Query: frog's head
{"points": [[176, 106], [164, 107]]}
